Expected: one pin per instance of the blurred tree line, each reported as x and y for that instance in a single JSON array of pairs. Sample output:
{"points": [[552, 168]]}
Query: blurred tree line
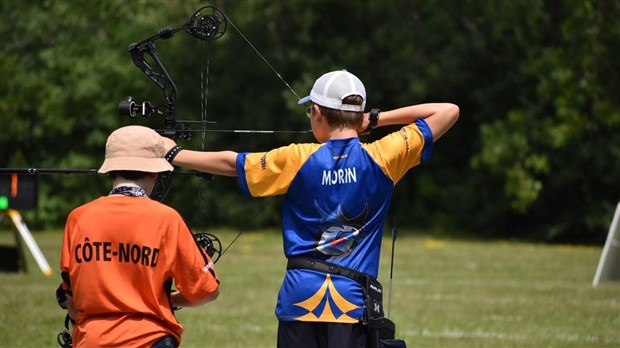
{"points": [[535, 154]]}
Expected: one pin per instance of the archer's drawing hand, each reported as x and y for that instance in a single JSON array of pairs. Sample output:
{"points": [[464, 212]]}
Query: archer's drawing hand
{"points": [[363, 129]]}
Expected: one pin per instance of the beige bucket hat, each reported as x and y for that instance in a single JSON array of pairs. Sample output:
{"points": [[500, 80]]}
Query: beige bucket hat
{"points": [[135, 148]]}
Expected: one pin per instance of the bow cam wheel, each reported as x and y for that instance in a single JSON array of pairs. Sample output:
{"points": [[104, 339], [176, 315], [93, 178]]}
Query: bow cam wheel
{"points": [[208, 23]]}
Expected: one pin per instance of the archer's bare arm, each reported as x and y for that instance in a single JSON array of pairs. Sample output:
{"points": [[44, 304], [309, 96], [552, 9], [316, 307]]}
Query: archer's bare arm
{"points": [[213, 162], [439, 117], [178, 300]]}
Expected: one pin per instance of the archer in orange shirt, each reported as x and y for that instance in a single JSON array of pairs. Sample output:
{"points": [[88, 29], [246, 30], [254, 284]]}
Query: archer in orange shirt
{"points": [[122, 253]]}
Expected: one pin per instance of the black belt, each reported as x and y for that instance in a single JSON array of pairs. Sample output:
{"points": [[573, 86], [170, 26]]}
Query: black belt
{"points": [[327, 267]]}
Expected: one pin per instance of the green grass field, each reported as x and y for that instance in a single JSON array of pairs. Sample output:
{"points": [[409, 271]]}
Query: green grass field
{"points": [[446, 293]]}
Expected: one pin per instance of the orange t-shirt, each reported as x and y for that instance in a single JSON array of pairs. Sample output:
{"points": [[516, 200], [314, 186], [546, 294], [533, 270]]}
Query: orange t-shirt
{"points": [[122, 255]]}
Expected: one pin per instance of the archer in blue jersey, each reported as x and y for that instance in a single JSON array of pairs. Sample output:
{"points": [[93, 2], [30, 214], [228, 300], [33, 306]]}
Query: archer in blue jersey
{"points": [[337, 194]]}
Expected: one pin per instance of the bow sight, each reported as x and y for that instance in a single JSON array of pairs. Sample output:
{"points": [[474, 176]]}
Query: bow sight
{"points": [[132, 109], [206, 24]]}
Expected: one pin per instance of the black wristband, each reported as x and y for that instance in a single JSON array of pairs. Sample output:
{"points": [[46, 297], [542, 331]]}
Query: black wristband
{"points": [[373, 118], [173, 153]]}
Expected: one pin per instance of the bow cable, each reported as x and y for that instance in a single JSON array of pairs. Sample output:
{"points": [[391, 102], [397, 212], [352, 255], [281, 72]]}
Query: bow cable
{"points": [[261, 56]]}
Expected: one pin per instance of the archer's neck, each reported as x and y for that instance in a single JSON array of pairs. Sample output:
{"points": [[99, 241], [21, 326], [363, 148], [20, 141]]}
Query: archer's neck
{"points": [[342, 133]]}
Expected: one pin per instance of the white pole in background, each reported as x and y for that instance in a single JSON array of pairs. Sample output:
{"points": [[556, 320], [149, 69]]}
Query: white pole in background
{"points": [[609, 264], [30, 242]]}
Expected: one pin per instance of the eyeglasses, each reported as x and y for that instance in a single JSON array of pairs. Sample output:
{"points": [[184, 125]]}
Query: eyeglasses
{"points": [[309, 111]]}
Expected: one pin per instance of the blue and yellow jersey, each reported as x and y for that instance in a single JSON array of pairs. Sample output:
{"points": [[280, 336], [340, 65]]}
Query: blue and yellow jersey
{"points": [[336, 197]]}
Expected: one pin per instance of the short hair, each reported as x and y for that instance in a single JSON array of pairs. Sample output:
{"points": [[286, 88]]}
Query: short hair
{"points": [[344, 119]]}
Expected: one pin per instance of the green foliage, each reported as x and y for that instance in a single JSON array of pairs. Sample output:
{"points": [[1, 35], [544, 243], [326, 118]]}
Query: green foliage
{"points": [[534, 155], [64, 66], [561, 143]]}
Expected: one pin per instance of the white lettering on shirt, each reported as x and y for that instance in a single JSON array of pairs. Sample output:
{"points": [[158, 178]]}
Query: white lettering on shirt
{"points": [[339, 176]]}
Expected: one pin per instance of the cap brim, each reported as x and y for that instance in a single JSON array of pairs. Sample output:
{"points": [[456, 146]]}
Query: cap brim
{"points": [[148, 165], [304, 100]]}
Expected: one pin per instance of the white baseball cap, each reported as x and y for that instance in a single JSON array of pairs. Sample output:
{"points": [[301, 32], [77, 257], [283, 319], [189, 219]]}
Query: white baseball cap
{"points": [[330, 89]]}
